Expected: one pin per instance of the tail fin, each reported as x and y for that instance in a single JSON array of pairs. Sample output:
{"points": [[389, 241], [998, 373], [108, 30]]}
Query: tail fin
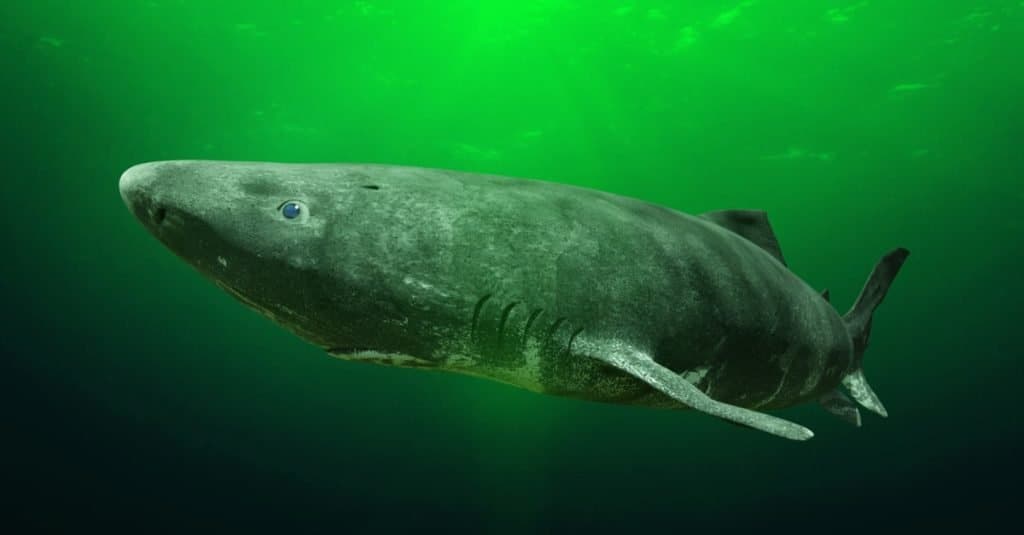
{"points": [[858, 324]]}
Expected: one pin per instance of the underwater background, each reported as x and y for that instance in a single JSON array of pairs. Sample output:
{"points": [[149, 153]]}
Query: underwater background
{"points": [[138, 396]]}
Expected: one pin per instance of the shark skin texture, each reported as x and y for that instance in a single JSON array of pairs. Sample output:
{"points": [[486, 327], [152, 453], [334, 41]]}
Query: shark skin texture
{"points": [[554, 288]]}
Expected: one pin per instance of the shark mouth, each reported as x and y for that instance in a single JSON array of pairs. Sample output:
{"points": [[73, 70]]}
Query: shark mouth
{"points": [[348, 350], [373, 356], [238, 295]]}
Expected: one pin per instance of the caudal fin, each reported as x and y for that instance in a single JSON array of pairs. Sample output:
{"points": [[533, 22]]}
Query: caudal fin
{"points": [[858, 324]]}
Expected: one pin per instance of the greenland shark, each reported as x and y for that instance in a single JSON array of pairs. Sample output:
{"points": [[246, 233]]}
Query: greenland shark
{"points": [[554, 288]]}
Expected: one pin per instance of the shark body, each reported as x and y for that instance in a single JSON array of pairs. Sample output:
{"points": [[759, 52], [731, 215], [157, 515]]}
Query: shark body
{"points": [[554, 288]]}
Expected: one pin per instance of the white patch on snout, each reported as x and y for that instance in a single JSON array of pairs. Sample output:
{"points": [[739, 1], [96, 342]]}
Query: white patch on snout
{"points": [[695, 375], [222, 261]]}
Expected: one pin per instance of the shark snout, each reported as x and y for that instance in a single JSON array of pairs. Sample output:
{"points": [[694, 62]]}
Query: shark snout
{"points": [[136, 181], [137, 186]]}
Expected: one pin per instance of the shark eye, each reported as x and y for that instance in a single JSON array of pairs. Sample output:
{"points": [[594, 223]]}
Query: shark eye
{"points": [[294, 210]]}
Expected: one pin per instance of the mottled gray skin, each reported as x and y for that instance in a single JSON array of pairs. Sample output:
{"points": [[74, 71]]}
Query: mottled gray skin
{"points": [[511, 279]]}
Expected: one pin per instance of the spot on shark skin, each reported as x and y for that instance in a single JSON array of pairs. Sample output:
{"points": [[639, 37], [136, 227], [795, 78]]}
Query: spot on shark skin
{"points": [[422, 285], [460, 360], [222, 261], [696, 375]]}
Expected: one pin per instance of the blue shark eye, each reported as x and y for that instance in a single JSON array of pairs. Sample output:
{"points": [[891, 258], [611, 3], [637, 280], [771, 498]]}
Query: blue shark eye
{"points": [[293, 210]]}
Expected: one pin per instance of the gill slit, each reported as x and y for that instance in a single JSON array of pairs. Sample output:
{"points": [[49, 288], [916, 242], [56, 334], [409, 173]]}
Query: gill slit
{"points": [[504, 319], [476, 312], [551, 330]]}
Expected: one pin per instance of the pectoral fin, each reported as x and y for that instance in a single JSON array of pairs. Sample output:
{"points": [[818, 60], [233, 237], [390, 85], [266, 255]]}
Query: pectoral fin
{"points": [[643, 367], [861, 391]]}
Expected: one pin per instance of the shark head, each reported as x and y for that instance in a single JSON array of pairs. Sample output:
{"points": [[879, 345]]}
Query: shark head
{"points": [[297, 243]]}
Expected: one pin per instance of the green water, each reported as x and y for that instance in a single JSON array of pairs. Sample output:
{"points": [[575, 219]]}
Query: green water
{"points": [[139, 395]]}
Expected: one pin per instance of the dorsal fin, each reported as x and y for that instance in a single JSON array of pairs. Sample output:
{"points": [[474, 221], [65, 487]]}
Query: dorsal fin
{"points": [[752, 225], [826, 296]]}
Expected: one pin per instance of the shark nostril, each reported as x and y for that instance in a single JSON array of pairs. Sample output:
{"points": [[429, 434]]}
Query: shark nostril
{"points": [[159, 215]]}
